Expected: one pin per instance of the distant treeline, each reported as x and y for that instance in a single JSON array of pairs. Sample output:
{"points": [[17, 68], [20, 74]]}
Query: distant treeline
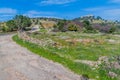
{"points": [[86, 26]]}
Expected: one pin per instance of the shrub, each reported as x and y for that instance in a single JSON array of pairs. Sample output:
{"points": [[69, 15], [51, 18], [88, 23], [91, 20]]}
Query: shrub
{"points": [[11, 25], [61, 25], [72, 28], [5, 29], [112, 30], [87, 25]]}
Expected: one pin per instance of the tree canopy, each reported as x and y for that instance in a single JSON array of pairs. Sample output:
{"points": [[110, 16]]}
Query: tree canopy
{"points": [[22, 21], [11, 25], [87, 25]]}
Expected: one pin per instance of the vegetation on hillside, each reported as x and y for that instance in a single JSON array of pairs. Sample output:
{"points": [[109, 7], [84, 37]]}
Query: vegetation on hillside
{"points": [[87, 24]]}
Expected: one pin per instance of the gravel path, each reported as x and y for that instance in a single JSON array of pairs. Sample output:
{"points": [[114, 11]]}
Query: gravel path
{"points": [[17, 63]]}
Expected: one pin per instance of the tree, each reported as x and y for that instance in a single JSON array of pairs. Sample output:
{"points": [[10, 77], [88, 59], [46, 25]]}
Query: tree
{"points": [[87, 25], [99, 18], [11, 25], [54, 26], [112, 29], [22, 22], [41, 25], [37, 22], [60, 25], [1, 27]]}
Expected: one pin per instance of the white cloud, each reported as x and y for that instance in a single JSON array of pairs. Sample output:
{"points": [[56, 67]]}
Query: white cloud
{"points": [[58, 2], [33, 13], [105, 12], [94, 9], [113, 14], [8, 11], [113, 11], [39, 12]]}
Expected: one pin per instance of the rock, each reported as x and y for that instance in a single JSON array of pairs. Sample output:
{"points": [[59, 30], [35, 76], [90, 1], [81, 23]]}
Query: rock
{"points": [[116, 65], [118, 59], [84, 77], [90, 63], [104, 59], [35, 28], [112, 74], [112, 41]]}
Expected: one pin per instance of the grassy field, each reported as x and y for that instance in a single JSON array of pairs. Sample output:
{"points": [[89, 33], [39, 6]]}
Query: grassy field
{"points": [[66, 48], [81, 46]]}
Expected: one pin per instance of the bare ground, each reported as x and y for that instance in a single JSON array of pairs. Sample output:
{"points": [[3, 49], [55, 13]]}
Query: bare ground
{"points": [[17, 63]]}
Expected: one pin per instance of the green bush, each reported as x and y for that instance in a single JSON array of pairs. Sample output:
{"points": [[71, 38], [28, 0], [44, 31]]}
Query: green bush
{"points": [[5, 29], [112, 30], [88, 27], [11, 25], [72, 28]]}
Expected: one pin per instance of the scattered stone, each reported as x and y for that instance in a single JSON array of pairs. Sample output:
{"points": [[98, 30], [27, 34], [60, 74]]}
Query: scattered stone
{"points": [[103, 59], [118, 59], [112, 74], [112, 41], [35, 28], [64, 37], [116, 65], [90, 63]]}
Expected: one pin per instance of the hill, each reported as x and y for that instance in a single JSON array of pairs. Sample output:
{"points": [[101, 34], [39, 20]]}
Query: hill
{"points": [[92, 23], [43, 22], [94, 19]]}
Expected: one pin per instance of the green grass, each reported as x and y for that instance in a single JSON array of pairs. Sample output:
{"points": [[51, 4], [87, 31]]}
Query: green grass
{"points": [[70, 52], [91, 51]]}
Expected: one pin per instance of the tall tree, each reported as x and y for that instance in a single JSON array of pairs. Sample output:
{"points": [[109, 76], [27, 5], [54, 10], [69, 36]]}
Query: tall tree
{"points": [[22, 22], [11, 25], [87, 25], [112, 29], [61, 24], [99, 18]]}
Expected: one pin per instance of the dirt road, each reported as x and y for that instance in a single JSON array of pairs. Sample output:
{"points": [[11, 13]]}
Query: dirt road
{"points": [[17, 63]]}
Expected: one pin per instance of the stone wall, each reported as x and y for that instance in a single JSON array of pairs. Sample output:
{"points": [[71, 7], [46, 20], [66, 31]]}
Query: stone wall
{"points": [[24, 36]]}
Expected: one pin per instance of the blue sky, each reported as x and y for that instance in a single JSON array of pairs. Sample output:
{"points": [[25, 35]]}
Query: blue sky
{"points": [[68, 9]]}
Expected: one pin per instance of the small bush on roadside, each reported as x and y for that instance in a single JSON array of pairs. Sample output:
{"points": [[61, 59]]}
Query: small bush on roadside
{"points": [[112, 30], [72, 28]]}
